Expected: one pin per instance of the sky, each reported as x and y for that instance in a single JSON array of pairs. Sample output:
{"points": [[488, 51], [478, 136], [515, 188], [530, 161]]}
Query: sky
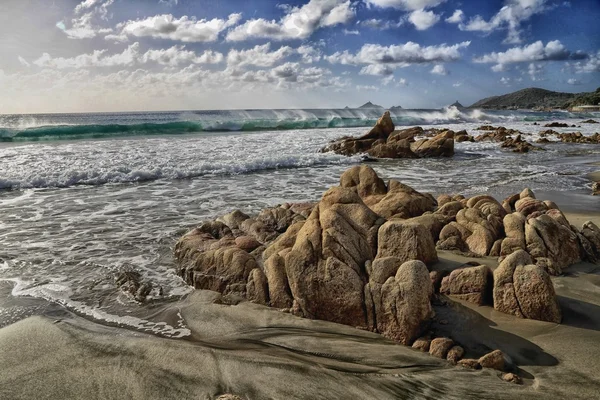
{"points": [[136, 55]]}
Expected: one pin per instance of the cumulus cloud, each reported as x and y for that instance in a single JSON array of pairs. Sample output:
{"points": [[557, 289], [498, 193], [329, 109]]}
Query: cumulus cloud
{"points": [[407, 5], [399, 55], [377, 70], [381, 24], [131, 56], [439, 69], [422, 19], [456, 18], [309, 54], [166, 26], [259, 55], [574, 81], [84, 26], [509, 17], [592, 64], [298, 23], [537, 51]]}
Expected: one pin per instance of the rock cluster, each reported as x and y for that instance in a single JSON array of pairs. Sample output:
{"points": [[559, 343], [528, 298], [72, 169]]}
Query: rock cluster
{"points": [[505, 136], [383, 141], [556, 125], [359, 256]]}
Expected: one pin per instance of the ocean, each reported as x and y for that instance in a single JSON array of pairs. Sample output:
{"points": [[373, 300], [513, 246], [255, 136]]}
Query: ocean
{"points": [[84, 197]]}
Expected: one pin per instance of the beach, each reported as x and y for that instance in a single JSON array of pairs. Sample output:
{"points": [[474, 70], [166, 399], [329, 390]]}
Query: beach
{"points": [[78, 213]]}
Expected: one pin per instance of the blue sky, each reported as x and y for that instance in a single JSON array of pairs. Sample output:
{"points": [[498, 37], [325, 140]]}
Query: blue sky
{"points": [[118, 55]]}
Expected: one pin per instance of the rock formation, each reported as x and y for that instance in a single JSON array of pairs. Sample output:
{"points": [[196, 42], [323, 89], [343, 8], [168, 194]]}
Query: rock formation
{"points": [[383, 141], [359, 256]]}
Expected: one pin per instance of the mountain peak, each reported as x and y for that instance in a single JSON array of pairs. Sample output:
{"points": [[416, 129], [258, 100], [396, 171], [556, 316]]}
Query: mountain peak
{"points": [[368, 104]]}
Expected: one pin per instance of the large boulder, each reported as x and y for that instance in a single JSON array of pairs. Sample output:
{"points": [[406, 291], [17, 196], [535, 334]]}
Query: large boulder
{"points": [[401, 305], [325, 267], [472, 284], [441, 145], [524, 289], [406, 241]]}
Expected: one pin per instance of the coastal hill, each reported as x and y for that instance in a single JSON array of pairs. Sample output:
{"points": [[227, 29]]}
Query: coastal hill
{"points": [[537, 98], [457, 105]]}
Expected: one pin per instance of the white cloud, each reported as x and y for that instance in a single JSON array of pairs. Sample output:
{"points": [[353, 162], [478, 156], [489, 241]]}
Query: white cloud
{"points": [[377, 70], [309, 54], [552, 51], [457, 84], [456, 18], [83, 26], [399, 55], [574, 81], [169, 3], [381, 24], [367, 88], [423, 20], [349, 32], [183, 29], [97, 58], [439, 69], [498, 68], [178, 55], [401, 82], [509, 17], [131, 56], [259, 55], [408, 5], [535, 71], [592, 64], [298, 23], [23, 62]]}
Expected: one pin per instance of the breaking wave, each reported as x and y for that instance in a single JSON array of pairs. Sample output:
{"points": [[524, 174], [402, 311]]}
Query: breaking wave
{"points": [[68, 127]]}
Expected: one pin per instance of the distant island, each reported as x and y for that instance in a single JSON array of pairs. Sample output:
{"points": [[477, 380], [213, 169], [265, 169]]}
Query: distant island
{"points": [[537, 98], [457, 105], [368, 104]]}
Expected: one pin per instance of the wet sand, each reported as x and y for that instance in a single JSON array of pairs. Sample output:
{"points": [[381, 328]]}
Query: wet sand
{"points": [[260, 353]]}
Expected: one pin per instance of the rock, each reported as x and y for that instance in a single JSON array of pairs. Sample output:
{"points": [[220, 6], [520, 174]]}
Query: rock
{"points": [[280, 295], [325, 267], [436, 280], [440, 346], [132, 283], [469, 363], [441, 145], [382, 141], [404, 310], [526, 193], [455, 354], [472, 284], [596, 188], [422, 344], [494, 360], [551, 242], [401, 201], [443, 199], [228, 396], [556, 125], [247, 243], [518, 145], [434, 223], [257, 290], [535, 293], [514, 227], [382, 129], [512, 378], [524, 290], [365, 181], [589, 121], [591, 232], [406, 241]]}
